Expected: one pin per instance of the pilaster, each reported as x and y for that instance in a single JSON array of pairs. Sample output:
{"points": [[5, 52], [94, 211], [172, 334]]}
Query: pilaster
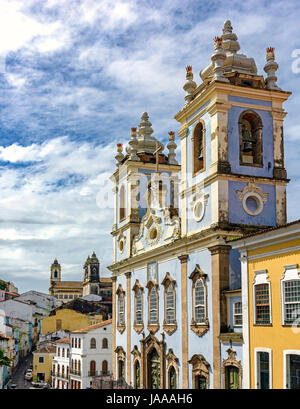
{"points": [[218, 111], [184, 335], [220, 281], [114, 279], [128, 327]]}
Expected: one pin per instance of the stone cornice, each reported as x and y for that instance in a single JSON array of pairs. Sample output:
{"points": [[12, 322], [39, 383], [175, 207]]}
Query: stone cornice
{"points": [[230, 177], [229, 89], [179, 247]]}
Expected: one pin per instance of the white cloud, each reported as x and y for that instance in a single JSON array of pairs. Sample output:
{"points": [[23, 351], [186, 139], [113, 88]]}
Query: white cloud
{"points": [[89, 69]]}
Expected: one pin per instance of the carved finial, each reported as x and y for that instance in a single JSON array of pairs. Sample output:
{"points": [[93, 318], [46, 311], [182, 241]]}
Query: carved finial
{"points": [[270, 53], [119, 156], [230, 43], [270, 68], [218, 43], [133, 144], [145, 126], [218, 59], [190, 85], [172, 147]]}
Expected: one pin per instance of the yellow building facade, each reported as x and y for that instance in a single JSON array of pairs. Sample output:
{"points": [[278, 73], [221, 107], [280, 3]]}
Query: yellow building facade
{"points": [[42, 363], [68, 320], [271, 307]]}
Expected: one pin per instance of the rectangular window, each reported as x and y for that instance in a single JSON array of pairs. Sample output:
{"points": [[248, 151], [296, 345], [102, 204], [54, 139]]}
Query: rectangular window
{"points": [[237, 314], [41, 360], [263, 370], [58, 325], [291, 301], [293, 371], [262, 304]]}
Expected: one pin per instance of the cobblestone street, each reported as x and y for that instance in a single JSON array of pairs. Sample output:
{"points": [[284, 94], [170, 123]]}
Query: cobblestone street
{"points": [[18, 376]]}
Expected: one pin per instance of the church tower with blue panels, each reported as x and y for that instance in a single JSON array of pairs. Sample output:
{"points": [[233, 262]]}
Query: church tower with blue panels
{"points": [[177, 303]]}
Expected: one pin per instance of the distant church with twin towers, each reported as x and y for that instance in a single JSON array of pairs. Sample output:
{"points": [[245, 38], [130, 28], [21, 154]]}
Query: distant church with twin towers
{"points": [[92, 287]]}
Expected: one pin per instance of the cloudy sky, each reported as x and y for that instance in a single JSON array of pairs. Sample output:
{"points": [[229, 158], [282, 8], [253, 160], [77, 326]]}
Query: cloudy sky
{"points": [[75, 76]]}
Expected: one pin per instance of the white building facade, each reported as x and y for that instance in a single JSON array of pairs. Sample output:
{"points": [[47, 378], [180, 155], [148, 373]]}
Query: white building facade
{"points": [[90, 354], [60, 366]]}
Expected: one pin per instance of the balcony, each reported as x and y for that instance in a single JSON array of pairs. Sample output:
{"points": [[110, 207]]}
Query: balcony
{"points": [[98, 373], [60, 375], [75, 372]]}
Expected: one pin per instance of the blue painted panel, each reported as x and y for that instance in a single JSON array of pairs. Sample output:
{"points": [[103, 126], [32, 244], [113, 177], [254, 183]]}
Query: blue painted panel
{"points": [[192, 224], [234, 270], [173, 341], [234, 144], [238, 215], [250, 101]]}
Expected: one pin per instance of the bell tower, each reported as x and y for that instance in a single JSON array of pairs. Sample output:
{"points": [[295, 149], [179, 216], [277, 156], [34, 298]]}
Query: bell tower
{"points": [[55, 273], [91, 278], [233, 173], [144, 173]]}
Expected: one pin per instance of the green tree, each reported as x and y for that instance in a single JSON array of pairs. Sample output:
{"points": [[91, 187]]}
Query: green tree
{"points": [[4, 360], [2, 285]]}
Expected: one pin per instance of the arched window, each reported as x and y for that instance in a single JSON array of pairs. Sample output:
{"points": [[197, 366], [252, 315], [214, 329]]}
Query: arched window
{"points": [[92, 368], [199, 302], [198, 148], [79, 343], [121, 309], [200, 372], [199, 323], [170, 305], [138, 308], [79, 366], [122, 203], [172, 378], [104, 343], [138, 324], [153, 307], [93, 343], [75, 342], [170, 323], [58, 370], [250, 130], [104, 367], [232, 371], [137, 375]]}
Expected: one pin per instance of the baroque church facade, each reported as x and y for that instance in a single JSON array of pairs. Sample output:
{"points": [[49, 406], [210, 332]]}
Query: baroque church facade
{"points": [[176, 281]]}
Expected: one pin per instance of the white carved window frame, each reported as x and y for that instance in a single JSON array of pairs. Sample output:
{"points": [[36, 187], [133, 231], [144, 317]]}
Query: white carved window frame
{"points": [[234, 314], [259, 201], [261, 277], [291, 273], [256, 351], [285, 369]]}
